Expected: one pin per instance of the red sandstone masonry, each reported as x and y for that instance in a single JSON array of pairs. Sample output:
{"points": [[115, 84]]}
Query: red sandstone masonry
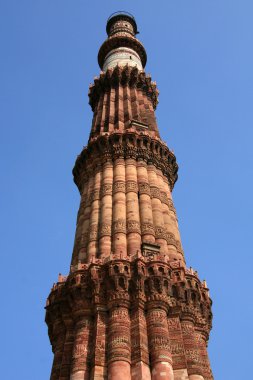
{"points": [[129, 308]]}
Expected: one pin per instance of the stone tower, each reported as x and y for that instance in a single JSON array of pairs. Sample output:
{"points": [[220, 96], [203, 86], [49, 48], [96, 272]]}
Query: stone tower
{"points": [[129, 308]]}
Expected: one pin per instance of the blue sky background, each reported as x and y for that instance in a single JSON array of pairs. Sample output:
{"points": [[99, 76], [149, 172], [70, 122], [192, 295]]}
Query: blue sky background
{"points": [[200, 53]]}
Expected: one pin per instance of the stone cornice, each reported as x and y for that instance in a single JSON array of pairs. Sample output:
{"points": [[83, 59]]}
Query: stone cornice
{"points": [[124, 75], [125, 145], [123, 281]]}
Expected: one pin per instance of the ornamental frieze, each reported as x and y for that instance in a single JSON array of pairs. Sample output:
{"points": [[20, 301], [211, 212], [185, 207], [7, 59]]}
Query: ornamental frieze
{"points": [[171, 240], [94, 196], [156, 316], [144, 188], [160, 233], [113, 147], [147, 228], [164, 197], [106, 189], [174, 323], [155, 192], [105, 229], [119, 226], [119, 341], [160, 342], [177, 348], [120, 313], [131, 186], [122, 354], [93, 233], [77, 294], [133, 226], [192, 355], [119, 186], [80, 350]]}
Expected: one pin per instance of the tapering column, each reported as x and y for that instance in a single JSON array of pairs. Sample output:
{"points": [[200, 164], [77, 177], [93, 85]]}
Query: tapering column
{"points": [[165, 199], [174, 223], [157, 209], [68, 348], [57, 346], [127, 105], [172, 231], [119, 351], [203, 355], [107, 113], [132, 209], [135, 103], [98, 115], [129, 308], [150, 116], [139, 341], [99, 370], [119, 208], [82, 254], [94, 216], [146, 215], [79, 225], [143, 109], [81, 349], [119, 114], [112, 110], [177, 348], [105, 240], [104, 111], [159, 343], [191, 349]]}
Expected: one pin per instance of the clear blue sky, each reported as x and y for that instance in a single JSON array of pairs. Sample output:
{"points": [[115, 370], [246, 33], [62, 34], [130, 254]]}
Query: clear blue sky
{"points": [[200, 53]]}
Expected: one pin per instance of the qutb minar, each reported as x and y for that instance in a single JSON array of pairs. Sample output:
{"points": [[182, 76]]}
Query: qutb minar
{"points": [[129, 307]]}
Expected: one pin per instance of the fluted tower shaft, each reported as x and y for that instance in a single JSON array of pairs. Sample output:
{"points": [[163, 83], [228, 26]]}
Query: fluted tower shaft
{"points": [[129, 308]]}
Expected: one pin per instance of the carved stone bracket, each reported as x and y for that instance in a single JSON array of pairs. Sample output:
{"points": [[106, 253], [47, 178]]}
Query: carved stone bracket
{"points": [[123, 75], [115, 146]]}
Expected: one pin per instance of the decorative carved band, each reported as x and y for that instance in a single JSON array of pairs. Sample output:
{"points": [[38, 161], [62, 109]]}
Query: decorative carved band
{"points": [[147, 228], [119, 186], [118, 145], [93, 235], [160, 233], [133, 226], [155, 192], [119, 226], [171, 239], [144, 188], [106, 189], [178, 315], [94, 196], [105, 230], [131, 186], [164, 198]]}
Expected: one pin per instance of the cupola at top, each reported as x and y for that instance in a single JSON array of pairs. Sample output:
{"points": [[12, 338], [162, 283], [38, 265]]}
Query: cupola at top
{"points": [[121, 47], [121, 22]]}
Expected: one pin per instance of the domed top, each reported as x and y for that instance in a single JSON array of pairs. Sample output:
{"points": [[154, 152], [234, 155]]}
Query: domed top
{"points": [[121, 47], [121, 22]]}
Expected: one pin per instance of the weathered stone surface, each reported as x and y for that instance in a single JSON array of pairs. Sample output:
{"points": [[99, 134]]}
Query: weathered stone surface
{"points": [[129, 308]]}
